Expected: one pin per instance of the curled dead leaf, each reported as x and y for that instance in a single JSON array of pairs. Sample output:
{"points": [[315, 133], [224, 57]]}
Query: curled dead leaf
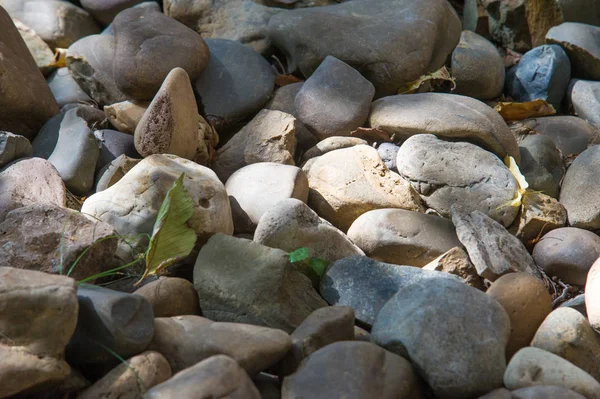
{"points": [[371, 135], [440, 76], [284, 80], [512, 111]]}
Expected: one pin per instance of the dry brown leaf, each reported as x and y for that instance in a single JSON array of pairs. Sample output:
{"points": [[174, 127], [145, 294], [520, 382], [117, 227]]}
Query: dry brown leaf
{"points": [[512, 111], [371, 135], [284, 80], [440, 76]]}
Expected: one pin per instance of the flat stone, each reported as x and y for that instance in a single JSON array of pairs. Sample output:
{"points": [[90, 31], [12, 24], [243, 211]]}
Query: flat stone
{"points": [[187, 340], [444, 306], [348, 182], [543, 73], [169, 124], [331, 144], [65, 89], [241, 281], [148, 45], [335, 100], [527, 303], [126, 115], [389, 53], [237, 82], [457, 118], [27, 102], [131, 379], [374, 372], [580, 42], [477, 67], [290, 224], [366, 285], [492, 249], [171, 296], [268, 137], [533, 366], [448, 173], [29, 181], [216, 377], [584, 97], [114, 144], [12, 147], [403, 237], [539, 215]]}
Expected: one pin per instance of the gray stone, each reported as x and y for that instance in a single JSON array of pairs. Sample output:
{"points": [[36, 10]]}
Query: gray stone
{"points": [[567, 253], [148, 45], [12, 147], [541, 163], [584, 97], [543, 73], [406, 324], [577, 303], [447, 173], [65, 89], [580, 42], [113, 172], [335, 100], [171, 296], [290, 224], [68, 143], [242, 281], [477, 67], [113, 320], [30, 181], [545, 392], [26, 102], [114, 144], [104, 11], [403, 237], [237, 82], [152, 5], [388, 153], [372, 371], [366, 285], [32, 347], [387, 53], [187, 340], [492, 249], [216, 377], [579, 191], [447, 116]]}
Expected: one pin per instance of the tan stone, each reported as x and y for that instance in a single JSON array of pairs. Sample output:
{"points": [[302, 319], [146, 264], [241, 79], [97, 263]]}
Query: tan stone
{"points": [[592, 295], [527, 303], [171, 296], [348, 182], [41, 52], [456, 261], [332, 144], [126, 115]]}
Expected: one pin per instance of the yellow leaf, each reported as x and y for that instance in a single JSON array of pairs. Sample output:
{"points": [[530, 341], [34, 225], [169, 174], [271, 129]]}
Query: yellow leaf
{"points": [[512, 111], [521, 182], [60, 58], [441, 74]]}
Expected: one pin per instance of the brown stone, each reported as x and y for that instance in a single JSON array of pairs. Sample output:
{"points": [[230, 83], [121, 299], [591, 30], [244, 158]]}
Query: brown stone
{"points": [[171, 296], [456, 261]]}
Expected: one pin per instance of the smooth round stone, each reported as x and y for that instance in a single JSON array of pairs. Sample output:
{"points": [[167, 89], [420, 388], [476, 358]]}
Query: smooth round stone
{"points": [[543, 73], [584, 97], [104, 11], [65, 89], [388, 153], [477, 67], [332, 144], [581, 42], [527, 303], [237, 82], [567, 253], [592, 296], [171, 296], [545, 392], [581, 188], [541, 163]]}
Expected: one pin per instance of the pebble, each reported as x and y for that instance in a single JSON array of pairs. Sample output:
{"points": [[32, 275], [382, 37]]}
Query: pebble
{"points": [[114, 144], [539, 215], [334, 143], [126, 115], [171, 296], [456, 261], [584, 98]]}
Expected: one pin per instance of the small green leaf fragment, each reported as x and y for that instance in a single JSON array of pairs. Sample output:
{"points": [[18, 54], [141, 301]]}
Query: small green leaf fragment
{"points": [[319, 266], [298, 255]]}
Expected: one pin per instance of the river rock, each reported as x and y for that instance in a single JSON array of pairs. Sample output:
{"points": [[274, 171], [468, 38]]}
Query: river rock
{"points": [[375, 372], [577, 303], [366, 285], [346, 32], [567, 253], [527, 303], [114, 144], [111, 173], [105, 11], [126, 115], [584, 97], [544, 392], [447, 173], [539, 215], [477, 67], [131, 205], [29, 181], [403, 237], [388, 153], [579, 41], [543, 73], [169, 125], [148, 45], [269, 137], [446, 306], [216, 377], [187, 340], [41, 52], [580, 188], [492, 249], [335, 143], [12, 147], [268, 290], [27, 102], [456, 261], [541, 163], [171, 296], [348, 182], [133, 378], [568, 334], [65, 89], [335, 100], [290, 224], [592, 298], [33, 346], [237, 82], [533, 366]]}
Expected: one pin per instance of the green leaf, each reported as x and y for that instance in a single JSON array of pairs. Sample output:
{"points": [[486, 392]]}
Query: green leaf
{"points": [[319, 266], [172, 240], [298, 255]]}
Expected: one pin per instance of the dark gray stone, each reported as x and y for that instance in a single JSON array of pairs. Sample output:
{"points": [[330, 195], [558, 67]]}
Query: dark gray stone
{"points": [[335, 100], [455, 336], [388, 153], [65, 89], [366, 285], [541, 163], [151, 4], [584, 98], [13, 146], [237, 82], [104, 11], [581, 42], [543, 73], [120, 322], [114, 144], [389, 53]]}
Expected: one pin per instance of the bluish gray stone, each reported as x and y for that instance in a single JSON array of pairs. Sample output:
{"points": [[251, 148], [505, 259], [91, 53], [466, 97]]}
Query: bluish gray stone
{"points": [[114, 144], [65, 89], [581, 42], [13, 146], [388, 153], [584, 98], [577, 303], [541, 163], [543, 73]]}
